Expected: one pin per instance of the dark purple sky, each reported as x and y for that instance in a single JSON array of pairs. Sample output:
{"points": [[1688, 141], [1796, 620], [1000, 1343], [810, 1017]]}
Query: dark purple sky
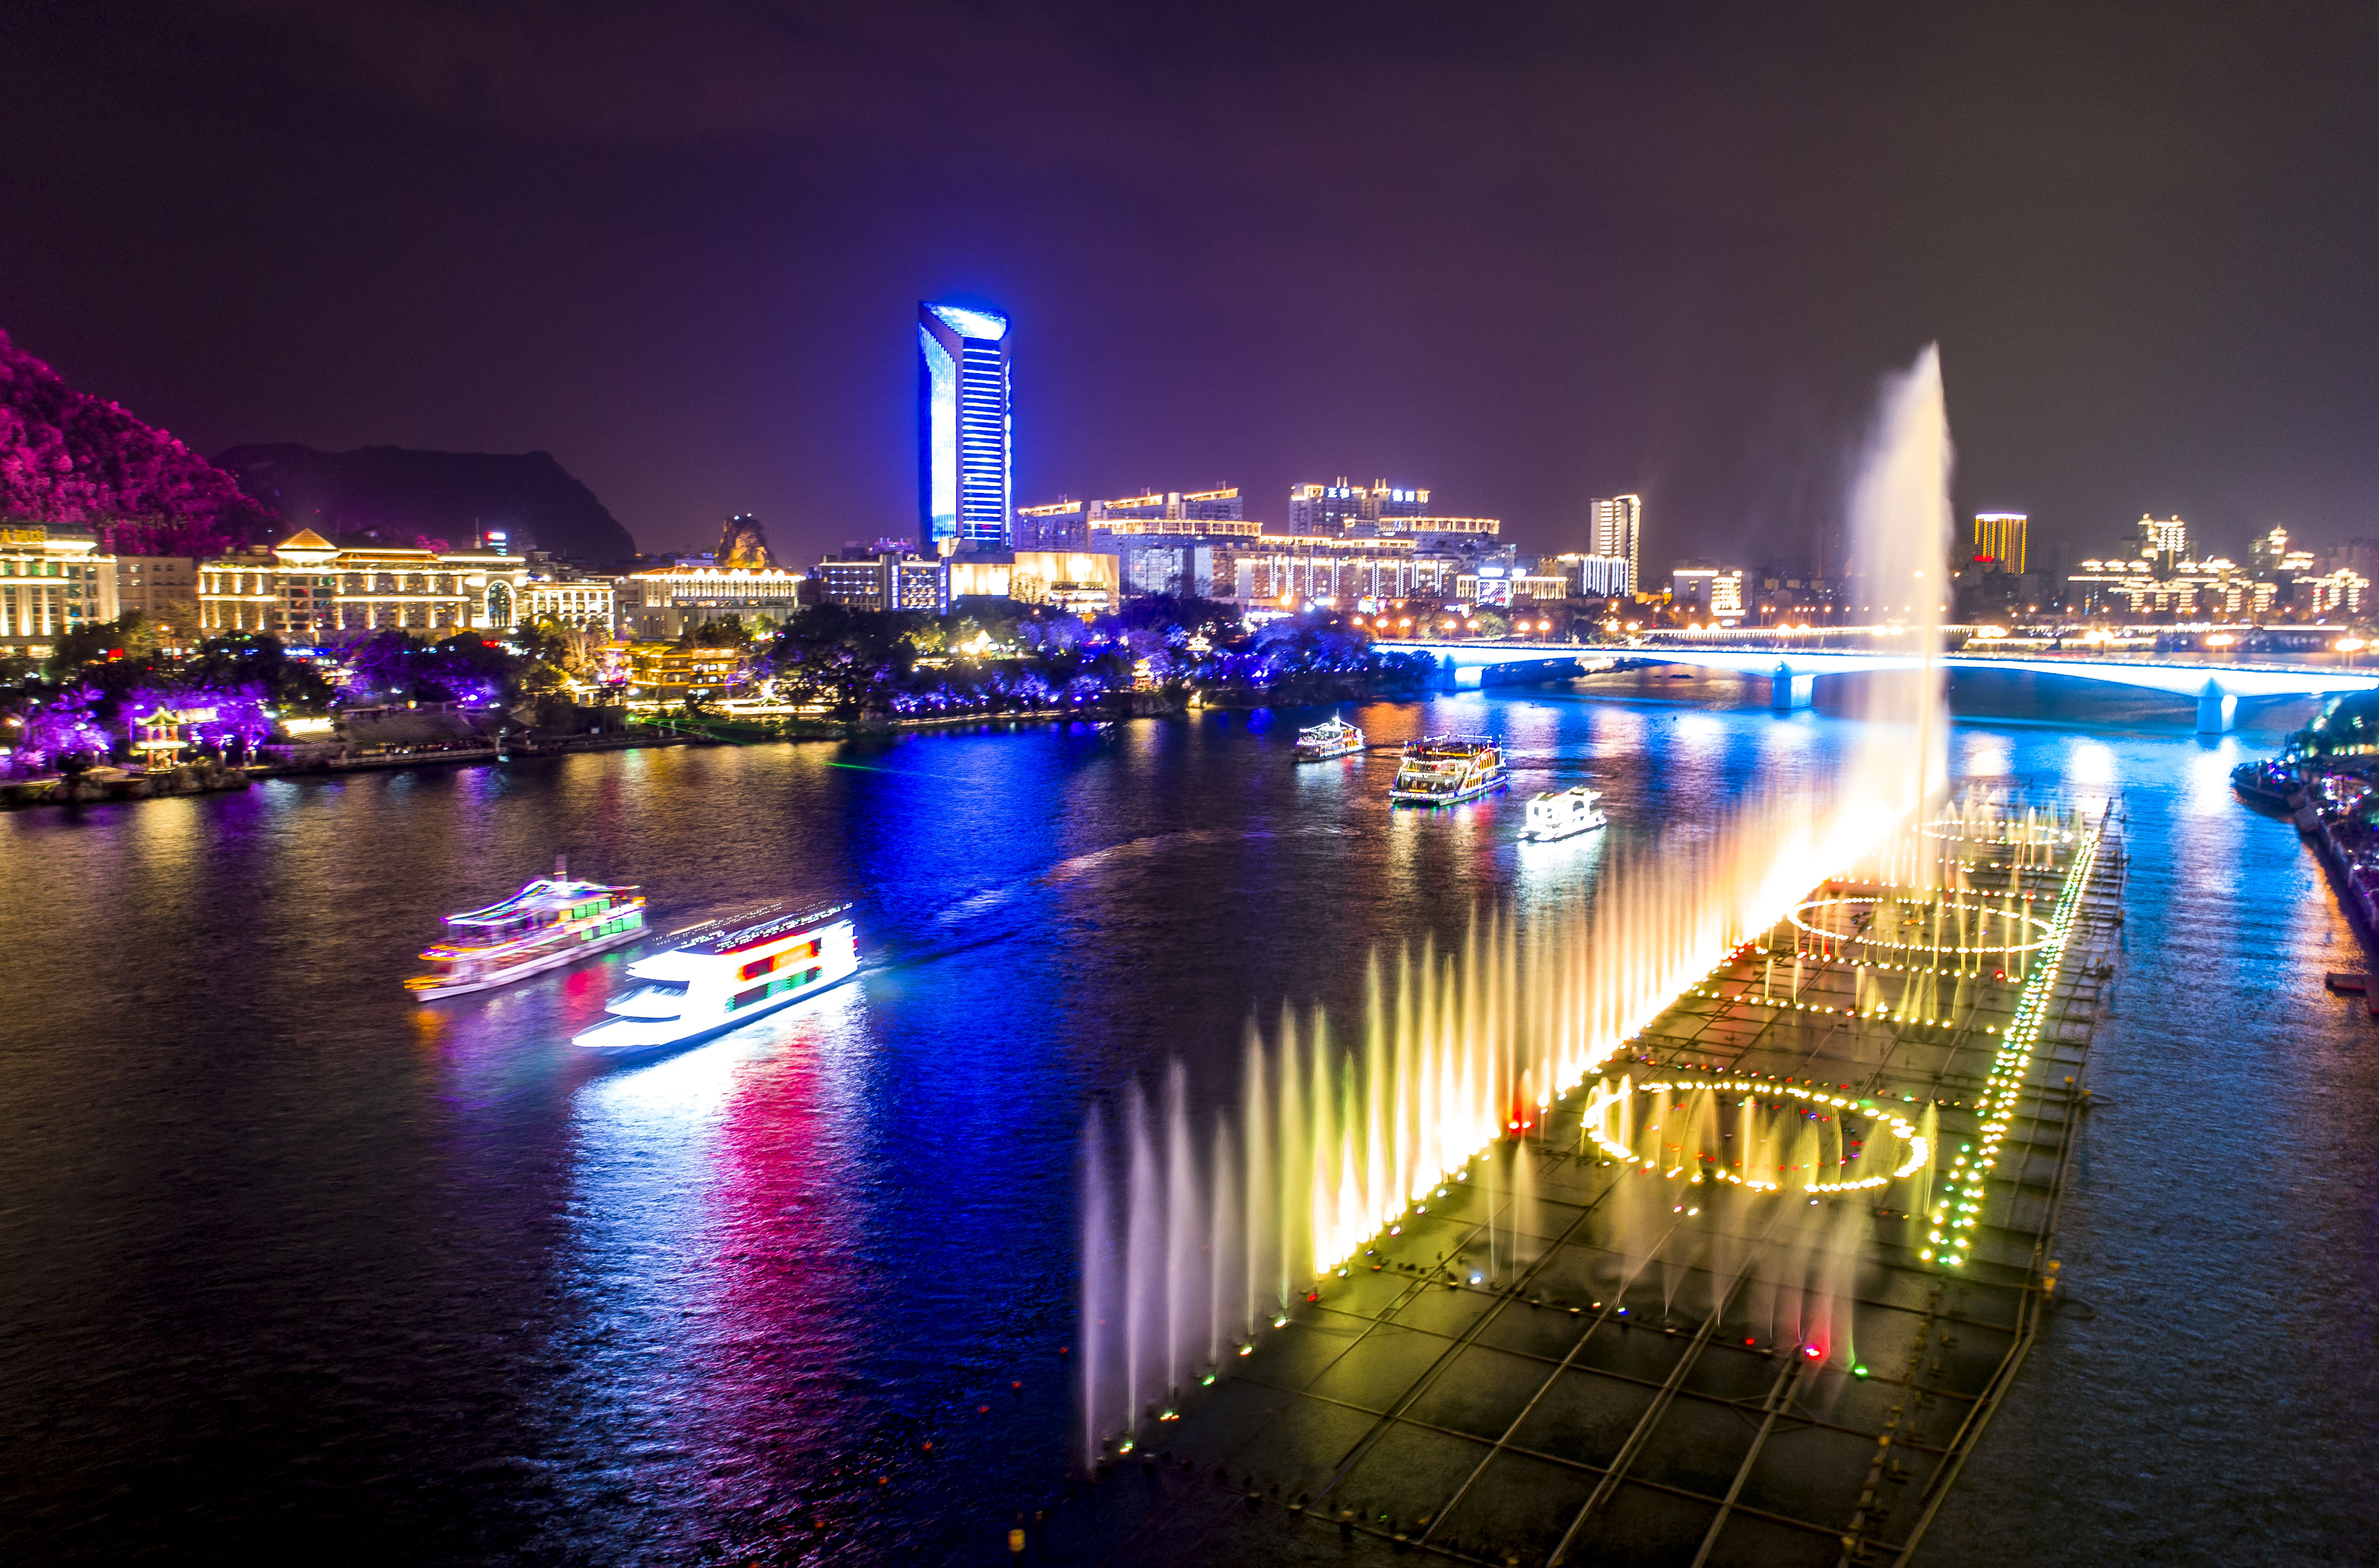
{"points": [[1521, 261]]}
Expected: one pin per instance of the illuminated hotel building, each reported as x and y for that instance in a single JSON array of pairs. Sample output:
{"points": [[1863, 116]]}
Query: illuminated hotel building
{"points": [[964, 430], [1619, 536], [51, 580], [2000, 540], [307, 585]]}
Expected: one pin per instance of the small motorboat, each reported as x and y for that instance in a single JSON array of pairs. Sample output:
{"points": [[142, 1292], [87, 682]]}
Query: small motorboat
{"points": [[1562, 814], [1336, 739]]}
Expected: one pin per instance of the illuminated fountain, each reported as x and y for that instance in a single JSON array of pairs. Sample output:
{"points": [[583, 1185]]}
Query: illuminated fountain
{"points": [[1195, 1239]]}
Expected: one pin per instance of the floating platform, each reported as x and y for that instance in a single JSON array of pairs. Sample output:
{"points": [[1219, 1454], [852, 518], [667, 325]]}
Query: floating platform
{"points": [[1555, 1365]]}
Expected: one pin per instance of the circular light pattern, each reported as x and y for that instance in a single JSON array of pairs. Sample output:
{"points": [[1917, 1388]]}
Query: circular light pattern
{"points": [[1597, 1109], [2031, 924]]}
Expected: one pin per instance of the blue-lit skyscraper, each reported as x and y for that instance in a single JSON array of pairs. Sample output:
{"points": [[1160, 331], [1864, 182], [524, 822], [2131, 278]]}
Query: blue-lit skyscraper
{"points": [[963, 429]]}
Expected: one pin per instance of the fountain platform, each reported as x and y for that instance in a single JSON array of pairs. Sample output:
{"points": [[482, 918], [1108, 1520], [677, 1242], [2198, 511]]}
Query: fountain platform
{"points": [[1567, 1359]]}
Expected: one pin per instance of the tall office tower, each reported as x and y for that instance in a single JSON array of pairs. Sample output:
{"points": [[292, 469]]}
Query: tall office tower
{"points": [[964, 430], [1619, 530], [2163, 540], [1999, 541]]}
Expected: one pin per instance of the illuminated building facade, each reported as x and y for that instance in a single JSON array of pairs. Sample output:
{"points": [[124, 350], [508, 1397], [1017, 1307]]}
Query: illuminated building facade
{"points": [[1081, 582], [307, 587], [2146, 589], [664, 673], [668, 602], [1617, 525], [1591, 576], [965, 427], [53, 579], [1068, 524], [885, 579], [555, 591], [1062, 524], [1286, 571], [1317, 510], [1999, 541]]}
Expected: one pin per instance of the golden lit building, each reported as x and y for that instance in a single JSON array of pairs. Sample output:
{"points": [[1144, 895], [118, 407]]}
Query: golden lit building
{"points": [[307, 586], [53, 579], [2000, 540]]}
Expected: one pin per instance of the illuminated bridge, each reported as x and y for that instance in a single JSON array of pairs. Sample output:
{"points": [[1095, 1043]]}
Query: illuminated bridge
{"points": [[1791, 672]]}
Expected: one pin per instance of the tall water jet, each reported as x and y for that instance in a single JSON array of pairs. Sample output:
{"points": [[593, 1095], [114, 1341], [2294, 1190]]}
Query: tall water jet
{"points": [[1901, 533]]}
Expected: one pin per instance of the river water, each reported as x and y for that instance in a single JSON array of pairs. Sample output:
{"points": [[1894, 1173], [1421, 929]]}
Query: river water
{"points": [[288, 1263]]}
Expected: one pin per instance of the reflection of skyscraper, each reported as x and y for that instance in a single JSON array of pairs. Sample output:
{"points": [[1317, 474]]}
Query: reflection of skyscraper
{"points": [[1619, 533], [964, 426]]}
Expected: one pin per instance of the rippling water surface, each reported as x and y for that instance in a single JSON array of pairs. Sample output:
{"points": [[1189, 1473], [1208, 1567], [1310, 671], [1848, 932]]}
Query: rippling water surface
{"points": [[287, 1263]]}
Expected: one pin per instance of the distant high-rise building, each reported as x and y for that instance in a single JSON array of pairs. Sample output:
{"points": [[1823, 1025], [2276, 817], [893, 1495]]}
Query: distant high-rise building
{"points": [[1319, 510], [2163, 540], [1999, 541], [1619, 530], [965, 467]]}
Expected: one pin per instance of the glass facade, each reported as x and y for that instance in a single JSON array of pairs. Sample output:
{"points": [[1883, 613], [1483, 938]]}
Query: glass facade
{"points": [[964, 429]]}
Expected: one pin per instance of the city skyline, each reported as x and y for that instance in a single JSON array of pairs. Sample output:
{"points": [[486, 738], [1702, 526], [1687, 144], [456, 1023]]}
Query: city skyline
{"points": [[628, 287]]}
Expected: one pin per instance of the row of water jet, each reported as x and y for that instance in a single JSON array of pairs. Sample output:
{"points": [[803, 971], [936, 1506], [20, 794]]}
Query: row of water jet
{"points": [[1199, 1230], [1780, 1271], [1196, 1235]]}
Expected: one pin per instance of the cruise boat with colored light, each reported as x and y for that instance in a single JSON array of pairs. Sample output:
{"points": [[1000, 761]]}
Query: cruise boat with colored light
{"points": [[724, 974], [1438, 771], [1562, 814], [1336, 739], [549, 922]]}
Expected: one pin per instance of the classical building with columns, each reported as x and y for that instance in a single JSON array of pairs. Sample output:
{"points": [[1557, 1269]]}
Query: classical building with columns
{"points": [[53, 579], [307, 586]]}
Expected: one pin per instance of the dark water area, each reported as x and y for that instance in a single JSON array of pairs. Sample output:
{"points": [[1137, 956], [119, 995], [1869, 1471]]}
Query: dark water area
{"points": [[288, 1264]]}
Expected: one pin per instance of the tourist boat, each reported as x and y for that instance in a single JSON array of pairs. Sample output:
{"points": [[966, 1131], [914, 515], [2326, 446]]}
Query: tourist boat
{"points": [[1562, 814], [549, 922], [727, 974], [1438, 772], [1336, 739]]}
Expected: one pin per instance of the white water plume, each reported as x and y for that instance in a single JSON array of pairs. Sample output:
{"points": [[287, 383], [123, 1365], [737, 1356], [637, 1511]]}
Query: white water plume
{"points": [[1901, 534]]}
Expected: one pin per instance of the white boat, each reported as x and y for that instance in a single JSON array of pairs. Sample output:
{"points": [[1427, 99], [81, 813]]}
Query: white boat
{"points": [[726, 975], [548, 923], [1562, 814], [1336, 739], [1438, 772]]}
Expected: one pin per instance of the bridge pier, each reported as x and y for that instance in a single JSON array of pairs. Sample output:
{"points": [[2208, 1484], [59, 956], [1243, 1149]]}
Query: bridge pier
{"points": [[1466, 677], [1787, 692], [2217, 710]]}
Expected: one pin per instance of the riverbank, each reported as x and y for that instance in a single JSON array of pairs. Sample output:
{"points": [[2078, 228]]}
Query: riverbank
{"points": [[112, 784]]}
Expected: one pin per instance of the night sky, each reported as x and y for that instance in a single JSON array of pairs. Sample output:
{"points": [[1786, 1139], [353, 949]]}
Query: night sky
{"points": [[1520, 255]]}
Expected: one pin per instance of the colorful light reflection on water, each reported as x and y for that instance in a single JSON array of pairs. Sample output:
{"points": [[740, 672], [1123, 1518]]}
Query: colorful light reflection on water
{"points": [[284, 1262]]}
